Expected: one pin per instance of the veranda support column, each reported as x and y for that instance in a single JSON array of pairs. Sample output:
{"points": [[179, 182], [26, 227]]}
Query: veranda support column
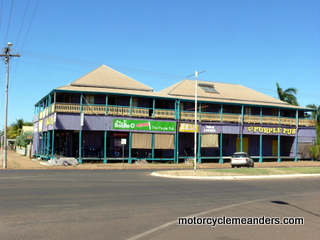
{"points": [[80, 146], [199, 146], [279, 158], [241, 128], [105, 147], [152, 145], [296, 148], [176, 145], [221, 150], [48, 145], [260, 150], [129, 147], [52, 144], [296, 139]]}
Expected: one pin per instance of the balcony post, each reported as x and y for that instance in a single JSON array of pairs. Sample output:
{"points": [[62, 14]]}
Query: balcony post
{"points": [[177, 109], [107, 104], [130, 109], [81, 96], [153, 107]]}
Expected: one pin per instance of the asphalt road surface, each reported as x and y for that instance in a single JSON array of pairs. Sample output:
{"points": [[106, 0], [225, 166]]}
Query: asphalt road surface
{"points": [[131, 204]]}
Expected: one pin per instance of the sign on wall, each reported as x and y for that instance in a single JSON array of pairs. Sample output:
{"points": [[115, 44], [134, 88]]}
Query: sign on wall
{"points": [[143, 125], [210, 129], [187, 127], [272, 130]]}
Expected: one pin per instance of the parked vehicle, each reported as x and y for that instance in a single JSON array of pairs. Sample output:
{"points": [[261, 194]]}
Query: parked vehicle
{"points": [[239, 159]]}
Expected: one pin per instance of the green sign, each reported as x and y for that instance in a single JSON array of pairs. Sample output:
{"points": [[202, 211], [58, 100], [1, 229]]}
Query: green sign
{"points": [[127, 124]]}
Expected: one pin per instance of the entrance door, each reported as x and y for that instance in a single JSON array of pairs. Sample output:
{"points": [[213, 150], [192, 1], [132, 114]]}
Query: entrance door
{"points": [[274, 147], [245, 145]]}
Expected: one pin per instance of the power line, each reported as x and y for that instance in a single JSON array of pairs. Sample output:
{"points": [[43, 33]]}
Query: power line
{"points": [[6, 37], [1, 12], [24, 16], [34, 12]]}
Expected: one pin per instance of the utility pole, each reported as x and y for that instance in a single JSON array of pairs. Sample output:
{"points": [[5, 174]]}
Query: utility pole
{"points": [[195, 117], [6, 54]]}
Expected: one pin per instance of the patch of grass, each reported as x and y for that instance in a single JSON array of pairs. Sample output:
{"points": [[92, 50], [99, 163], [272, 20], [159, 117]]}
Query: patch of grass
{"points": [[244, 171]]}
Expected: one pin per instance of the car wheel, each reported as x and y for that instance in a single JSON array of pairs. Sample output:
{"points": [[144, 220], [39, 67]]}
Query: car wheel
{"points": [[252, 165], [232, 166]]}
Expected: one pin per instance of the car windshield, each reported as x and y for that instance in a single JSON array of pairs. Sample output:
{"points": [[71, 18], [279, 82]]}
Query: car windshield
{"points": [[240, 155]]}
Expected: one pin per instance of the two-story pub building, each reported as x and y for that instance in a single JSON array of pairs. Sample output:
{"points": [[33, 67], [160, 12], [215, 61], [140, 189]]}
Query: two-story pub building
{"points": [[107, 116]]}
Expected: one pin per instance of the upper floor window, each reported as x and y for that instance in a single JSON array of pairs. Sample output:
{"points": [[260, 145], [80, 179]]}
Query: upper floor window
{"points": [[89, 98], [248, 111]]}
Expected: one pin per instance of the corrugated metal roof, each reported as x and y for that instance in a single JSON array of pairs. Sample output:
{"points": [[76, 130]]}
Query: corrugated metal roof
{"points": [[106, 80], [105, 77], [226, 93], [111, 90]]}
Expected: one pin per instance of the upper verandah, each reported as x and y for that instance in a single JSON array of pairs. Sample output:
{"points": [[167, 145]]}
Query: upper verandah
{"points": [[107, 80]]}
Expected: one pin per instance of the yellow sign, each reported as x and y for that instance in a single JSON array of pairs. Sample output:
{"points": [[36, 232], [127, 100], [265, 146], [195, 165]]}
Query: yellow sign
{"points": [[49, 121], [187, 127], [269, 130]]}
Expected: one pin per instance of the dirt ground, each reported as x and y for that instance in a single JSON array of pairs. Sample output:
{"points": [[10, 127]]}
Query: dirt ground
{"points": [[17, 161]]}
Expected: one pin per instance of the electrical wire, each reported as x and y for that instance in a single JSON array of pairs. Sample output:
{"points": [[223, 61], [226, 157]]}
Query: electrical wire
{"points": [[23, 20], [8, 27], [30, 23]]}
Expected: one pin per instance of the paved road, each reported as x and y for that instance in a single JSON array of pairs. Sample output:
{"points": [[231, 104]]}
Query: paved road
{"points": [[131, 204]]}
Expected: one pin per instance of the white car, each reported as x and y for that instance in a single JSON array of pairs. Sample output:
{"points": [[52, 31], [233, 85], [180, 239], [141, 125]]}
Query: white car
{"points": [[239, 159]]}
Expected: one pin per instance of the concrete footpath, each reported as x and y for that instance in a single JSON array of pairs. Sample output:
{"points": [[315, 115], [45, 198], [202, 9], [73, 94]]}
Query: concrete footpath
{"points": [[17, 161]]}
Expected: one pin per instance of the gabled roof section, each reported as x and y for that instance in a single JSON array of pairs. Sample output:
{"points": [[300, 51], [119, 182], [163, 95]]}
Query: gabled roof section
{"points": [[106, 77], [224, 92]]}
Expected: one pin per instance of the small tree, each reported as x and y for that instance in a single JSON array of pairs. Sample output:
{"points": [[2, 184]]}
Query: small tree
{"points": [[22, 140]]}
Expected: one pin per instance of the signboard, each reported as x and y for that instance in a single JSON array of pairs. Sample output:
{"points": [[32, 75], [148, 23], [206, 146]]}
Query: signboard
{"points": [[211, 129], [272, 130], [119, 134], [49, 121], [187, 127], [123, 141], [128, 124]]}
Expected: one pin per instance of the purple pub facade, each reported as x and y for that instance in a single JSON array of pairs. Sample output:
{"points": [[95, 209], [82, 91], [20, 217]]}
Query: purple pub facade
{"points": [[107, 116]]}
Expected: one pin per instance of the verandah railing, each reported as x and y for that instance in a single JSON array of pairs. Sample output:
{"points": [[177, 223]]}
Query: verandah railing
{"points": [[171, 114]]}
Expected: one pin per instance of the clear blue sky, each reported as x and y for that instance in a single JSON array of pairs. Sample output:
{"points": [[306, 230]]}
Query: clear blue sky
{"points": [[255, 43]]}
